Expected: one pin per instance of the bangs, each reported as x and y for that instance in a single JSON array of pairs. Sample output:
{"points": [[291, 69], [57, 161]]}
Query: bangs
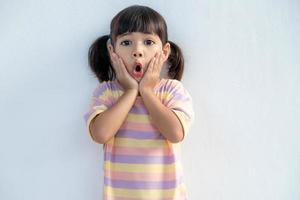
{"points": [[137, 23], [139, 19]]}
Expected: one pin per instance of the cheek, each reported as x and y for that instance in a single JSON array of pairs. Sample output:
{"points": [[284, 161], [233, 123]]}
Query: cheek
{"points": [[151, 56], [120, 52], [125, 62], [158, 50], [122, 55]]}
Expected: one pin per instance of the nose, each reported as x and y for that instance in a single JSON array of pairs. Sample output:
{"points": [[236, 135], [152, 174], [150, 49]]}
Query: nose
{"points": [[137, 52]]}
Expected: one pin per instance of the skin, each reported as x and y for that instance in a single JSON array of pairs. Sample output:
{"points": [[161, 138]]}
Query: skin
{"points": [[151, 53]]}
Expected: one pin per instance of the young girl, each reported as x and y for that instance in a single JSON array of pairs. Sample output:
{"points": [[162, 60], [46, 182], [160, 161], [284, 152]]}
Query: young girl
{"points": [[139, 117]]}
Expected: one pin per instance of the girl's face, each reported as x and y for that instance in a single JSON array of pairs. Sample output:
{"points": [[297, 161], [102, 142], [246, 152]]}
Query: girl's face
{"points": [[137, 49]]}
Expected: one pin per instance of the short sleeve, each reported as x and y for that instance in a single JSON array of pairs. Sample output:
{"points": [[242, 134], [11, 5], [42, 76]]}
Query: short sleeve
{"points": [[180, 102], [100, 101]]}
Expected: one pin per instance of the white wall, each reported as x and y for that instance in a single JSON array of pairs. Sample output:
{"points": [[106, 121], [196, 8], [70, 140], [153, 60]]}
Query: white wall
{"points": [[242, 69]]}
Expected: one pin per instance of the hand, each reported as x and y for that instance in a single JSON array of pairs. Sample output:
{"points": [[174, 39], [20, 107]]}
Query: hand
{"points": [[124, 78], [152, 75]]}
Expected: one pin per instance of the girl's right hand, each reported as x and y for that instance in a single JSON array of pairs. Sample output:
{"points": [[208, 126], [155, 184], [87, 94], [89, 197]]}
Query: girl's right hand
{"points": [[124, 78]]}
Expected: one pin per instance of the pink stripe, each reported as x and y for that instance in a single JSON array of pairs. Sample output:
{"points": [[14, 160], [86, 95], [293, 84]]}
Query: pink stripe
{"points": [[151, 151], [109, 100], [106, 197], [132, 176], [106, 100], [138, 126], [139, 102]]}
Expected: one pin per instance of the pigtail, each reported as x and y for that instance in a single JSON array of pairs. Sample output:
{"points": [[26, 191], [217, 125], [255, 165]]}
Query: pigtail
{"points": [[176, 62], [99, 60]]}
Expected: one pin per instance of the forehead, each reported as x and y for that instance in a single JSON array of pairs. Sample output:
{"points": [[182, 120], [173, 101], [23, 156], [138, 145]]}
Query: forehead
{"points": [[138, 35]]}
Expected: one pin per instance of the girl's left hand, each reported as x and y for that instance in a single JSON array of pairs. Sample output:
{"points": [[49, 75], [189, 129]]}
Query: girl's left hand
{"points": [[152, 75]]}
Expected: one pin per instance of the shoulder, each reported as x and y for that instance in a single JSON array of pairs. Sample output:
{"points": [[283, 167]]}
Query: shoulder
{"points": [[171, 85], [174, 89], [106, 86]]}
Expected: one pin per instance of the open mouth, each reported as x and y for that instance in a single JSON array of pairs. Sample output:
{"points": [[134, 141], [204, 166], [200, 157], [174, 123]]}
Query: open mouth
{"points": [[138, 70]]}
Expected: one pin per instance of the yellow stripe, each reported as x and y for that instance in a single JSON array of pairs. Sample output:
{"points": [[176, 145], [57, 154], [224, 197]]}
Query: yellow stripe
{"points": [[129, 142], [144, 168], [140, 193], [164, 95], [108, 93], [138, 118]]}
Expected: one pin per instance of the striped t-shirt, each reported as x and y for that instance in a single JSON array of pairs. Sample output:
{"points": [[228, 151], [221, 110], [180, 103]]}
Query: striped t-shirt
{"points": [[139, 162]]}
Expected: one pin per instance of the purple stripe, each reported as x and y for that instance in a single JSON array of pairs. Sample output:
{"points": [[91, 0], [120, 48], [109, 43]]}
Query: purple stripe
{"points": [[180, 97], [100, 89], [113, 85], [139, 134], [166, 86], [139, 110], [138, 159], [141, 184], [109, 85]]}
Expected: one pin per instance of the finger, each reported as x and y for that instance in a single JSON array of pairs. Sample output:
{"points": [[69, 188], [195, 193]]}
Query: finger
{"points": [[156, 63], [122, 66], [115, 63], [162, 57], [151, 64]]}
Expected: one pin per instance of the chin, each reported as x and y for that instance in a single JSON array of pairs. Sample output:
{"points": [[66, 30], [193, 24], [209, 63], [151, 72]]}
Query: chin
{"points": [[138, 79]]}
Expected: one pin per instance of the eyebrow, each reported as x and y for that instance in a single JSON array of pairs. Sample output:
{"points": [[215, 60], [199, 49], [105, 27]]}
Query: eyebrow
{"points": [[130, 33], [124, 34]]}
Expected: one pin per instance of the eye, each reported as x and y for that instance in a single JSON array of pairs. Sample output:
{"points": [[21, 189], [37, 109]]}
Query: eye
{"points": [[125, 43], [149, 42]]}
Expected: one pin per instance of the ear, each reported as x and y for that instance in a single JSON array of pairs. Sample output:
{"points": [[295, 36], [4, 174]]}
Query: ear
{"points": [[166, 50], [110, 48]]}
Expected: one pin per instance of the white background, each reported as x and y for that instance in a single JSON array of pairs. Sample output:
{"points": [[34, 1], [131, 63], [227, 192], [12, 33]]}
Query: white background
{"points": [[242, 69]]}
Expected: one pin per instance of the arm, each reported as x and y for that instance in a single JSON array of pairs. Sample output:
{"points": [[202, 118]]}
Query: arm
{"points": [[107, 123], [163, 118]]}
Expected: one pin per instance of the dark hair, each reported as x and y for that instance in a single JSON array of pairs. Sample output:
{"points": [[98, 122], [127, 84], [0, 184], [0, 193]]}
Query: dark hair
{"points": [[133, 19]]}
